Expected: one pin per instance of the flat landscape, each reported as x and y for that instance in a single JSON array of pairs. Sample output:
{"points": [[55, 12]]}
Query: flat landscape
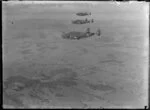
{"points": [[41, 69]]}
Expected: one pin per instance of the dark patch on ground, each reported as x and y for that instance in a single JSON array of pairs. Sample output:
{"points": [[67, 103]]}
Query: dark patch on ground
{"points": [[36, 87], [100, 87]]}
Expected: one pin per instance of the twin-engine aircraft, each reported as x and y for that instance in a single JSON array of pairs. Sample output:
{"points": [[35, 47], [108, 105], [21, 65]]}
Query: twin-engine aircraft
{"points": [[82, 21], [83, 14], [74, 35]]}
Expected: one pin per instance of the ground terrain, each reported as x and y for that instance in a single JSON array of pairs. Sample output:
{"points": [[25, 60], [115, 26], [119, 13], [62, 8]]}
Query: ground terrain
{"points": [[43, 70]]}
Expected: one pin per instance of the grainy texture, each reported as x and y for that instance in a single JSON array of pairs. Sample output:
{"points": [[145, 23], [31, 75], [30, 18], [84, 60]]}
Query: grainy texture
{"points": [[43, 70]]}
